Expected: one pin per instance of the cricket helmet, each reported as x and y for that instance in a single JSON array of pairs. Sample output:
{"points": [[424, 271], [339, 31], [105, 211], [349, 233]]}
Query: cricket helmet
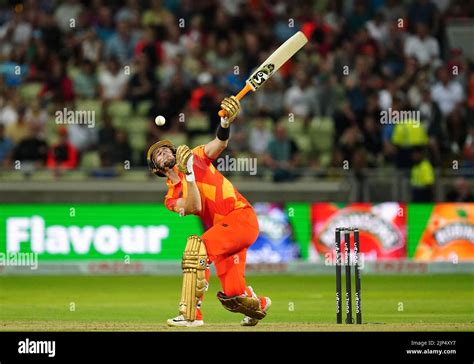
{"points": [[154, 147]]}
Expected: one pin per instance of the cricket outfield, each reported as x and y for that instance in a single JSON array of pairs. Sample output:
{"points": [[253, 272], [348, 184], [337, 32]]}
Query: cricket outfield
{"points": [[300, 303]]}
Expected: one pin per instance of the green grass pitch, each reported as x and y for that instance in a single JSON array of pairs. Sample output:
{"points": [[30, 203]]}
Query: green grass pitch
{"points": [[300, 303]]}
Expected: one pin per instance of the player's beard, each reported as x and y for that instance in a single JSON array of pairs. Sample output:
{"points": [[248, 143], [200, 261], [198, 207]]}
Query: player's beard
{"points": [[170, 163]]}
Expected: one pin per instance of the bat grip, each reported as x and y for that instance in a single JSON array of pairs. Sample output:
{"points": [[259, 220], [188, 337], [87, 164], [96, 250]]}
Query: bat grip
{"points": [[241, 94]]}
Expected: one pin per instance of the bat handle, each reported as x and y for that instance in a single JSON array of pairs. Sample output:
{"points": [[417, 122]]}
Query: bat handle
{"points": [[241, 94]]}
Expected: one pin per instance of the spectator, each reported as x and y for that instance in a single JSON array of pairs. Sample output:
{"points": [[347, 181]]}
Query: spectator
{"points": [[300, 99], [36, 113], [423, 12], [62, 155], [358, 17], [155, 15], [39, 62], [392, 10], [224, 58], [122, 150], [58, 87], [351, 141], [91, 47], [67, 11], [457, 130], [422, 177], [6, 146], [269, 100], [343, 119], [9, 104], [353, 66], [50, 32], [407, 135], [121, 44], [378, 28], [422, 46], [372, 139], [282, 156], [141, 86], [179, 95], [14, 70], [447, 92], [468, 149], [172, 46], [104, 23], [151, 47], [391, 57], [130, 12], [112, 81], [431, 115], [83, 137], [19, 27], [85, 81], [259, 138], [20, 129], [107, 133], [461, 191], [31, 151]]}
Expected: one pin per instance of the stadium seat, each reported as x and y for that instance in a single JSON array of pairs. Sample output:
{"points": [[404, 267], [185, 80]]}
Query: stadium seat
{"points": [[136, 124], [135, 175], [305, 145], [43, 175], [143, 107], [197, 122], [322, 133], [90, 160], [267, 122], [295, 127], [325, 159], [74, 175], [90, 105], [29, 91], [12, 176], [176, 138], [200, 140], [120, 109], [137, 141]]}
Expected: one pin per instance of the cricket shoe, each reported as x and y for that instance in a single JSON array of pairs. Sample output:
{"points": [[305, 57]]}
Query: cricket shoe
{"points": [[265, 303], [180, 321]]}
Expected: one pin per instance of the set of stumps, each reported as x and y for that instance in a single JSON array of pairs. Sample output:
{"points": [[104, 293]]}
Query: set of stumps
{"points": [[346, 232]]}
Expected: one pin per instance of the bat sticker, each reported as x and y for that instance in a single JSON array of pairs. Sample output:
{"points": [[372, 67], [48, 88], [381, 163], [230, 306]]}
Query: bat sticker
{"points": [[262, 75]]}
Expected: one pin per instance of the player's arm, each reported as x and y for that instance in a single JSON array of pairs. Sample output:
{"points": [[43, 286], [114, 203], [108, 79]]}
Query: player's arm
{"points": [[192, 203], [214, 148]]}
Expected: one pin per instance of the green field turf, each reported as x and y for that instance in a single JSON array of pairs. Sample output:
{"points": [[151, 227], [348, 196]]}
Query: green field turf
{"points": [[389, 303]]}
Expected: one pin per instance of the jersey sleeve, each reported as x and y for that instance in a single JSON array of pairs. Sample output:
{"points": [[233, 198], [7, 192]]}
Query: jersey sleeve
{"points": [[201, 154], [171, 197]]}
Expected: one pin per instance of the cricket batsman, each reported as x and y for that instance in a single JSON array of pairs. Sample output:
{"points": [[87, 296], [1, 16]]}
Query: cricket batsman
{"points": [[196, 187]]}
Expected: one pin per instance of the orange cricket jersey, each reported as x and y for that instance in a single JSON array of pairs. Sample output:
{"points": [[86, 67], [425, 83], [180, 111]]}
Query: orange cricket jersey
{"points": [[218, 196]]}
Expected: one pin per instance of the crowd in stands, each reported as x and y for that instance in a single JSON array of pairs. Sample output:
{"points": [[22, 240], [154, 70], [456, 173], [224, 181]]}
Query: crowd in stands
{"points": [[134, 60]]}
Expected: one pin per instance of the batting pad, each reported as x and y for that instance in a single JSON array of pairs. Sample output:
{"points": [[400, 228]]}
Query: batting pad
{"points": [[194, 276]]}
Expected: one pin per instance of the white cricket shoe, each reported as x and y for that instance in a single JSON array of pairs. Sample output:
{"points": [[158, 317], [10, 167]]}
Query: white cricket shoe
{"points": [[180, 321], [250, 321]]}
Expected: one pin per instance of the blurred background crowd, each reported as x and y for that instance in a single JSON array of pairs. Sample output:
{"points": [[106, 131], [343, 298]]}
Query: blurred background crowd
{"points": [[124, 62]]}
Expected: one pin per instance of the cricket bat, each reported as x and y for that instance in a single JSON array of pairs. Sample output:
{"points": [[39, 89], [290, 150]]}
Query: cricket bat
{"points": [[271, 65]]}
